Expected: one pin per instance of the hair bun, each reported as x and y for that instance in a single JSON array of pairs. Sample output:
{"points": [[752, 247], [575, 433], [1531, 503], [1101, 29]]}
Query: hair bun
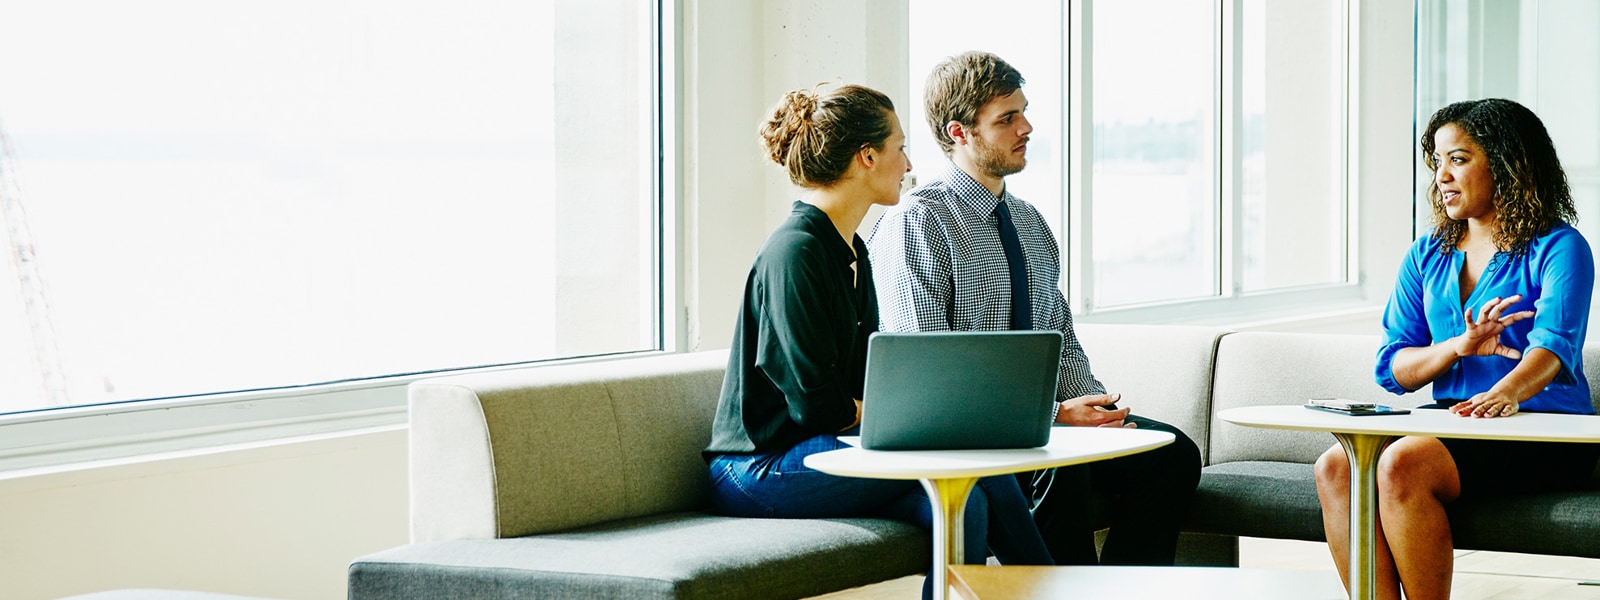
{"points": [[815, 136], [790, 120], [803, 103]]}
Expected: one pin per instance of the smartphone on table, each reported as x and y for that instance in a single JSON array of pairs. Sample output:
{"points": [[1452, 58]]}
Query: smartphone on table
{"points": [[1353, 407]]}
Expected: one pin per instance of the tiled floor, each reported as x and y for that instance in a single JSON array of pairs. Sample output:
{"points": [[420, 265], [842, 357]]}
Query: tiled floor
{"points": [[1479, 575]]}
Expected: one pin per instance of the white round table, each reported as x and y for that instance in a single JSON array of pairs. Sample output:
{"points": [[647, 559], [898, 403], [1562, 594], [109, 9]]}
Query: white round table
{"points": [[948, 475], [1365, 437]]}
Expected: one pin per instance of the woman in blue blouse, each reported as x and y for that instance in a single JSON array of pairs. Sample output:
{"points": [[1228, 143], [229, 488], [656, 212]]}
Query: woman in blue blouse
{"points": [[1491, 308], [798, 361]]}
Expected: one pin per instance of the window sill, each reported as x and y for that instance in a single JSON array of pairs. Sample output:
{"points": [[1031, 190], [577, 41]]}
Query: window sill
{"points": [[1327, 308], [94, 434], [85, 436]]}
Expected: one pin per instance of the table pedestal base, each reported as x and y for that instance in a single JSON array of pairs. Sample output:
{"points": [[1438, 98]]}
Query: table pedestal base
{"points": [[948, 498], [1363, 450]]}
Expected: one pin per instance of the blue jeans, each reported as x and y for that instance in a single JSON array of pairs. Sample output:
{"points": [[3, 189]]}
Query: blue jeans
{"points": [[779, 485]]}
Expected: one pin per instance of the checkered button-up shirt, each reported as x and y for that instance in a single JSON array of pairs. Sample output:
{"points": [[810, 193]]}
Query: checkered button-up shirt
{"points": [[939, 266]]}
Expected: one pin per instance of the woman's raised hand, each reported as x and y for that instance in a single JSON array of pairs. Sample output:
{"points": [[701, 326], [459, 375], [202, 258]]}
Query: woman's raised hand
{"points": [[1482, 337]]}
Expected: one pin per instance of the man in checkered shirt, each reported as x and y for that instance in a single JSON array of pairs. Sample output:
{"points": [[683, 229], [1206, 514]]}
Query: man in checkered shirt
{"points": [[940, 264]]}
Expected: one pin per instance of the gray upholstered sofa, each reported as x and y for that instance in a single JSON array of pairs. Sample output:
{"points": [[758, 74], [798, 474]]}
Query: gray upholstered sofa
{"points": [[1259, 483], [585, 481]]}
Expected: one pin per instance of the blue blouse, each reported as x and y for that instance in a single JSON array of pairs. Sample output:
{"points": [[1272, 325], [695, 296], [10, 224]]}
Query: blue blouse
{"points": [[1556, 279]]}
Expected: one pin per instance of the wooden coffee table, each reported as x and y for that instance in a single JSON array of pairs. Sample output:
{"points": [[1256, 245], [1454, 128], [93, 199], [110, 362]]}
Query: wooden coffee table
{"points": [[980, 582]]}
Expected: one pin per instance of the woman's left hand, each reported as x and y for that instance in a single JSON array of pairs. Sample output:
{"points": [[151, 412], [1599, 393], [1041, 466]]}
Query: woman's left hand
{"points": [[1487, 405]]}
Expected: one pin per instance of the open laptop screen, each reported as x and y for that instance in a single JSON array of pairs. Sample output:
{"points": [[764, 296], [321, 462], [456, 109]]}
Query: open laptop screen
{"points": [[959, 390]]}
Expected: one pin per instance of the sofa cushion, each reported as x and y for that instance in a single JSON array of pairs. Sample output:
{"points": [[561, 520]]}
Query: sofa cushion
{"points": [[1265, 499], [681, 555], [1563, 523], [1162, 371], [520, 452], [1279, 500]]}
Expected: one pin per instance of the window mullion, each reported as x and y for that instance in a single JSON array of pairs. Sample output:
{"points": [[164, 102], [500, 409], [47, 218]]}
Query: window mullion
{"points": [[1079, 243], [1349, 152], [1230, 155]]}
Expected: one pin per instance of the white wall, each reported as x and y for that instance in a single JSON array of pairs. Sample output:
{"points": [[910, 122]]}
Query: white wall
{"points": [[272, 520], [723, 185]]}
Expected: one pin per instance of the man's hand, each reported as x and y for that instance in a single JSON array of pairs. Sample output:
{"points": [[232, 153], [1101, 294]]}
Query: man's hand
{"points": [[1482, 337], [1095, 410], [858, 417]]}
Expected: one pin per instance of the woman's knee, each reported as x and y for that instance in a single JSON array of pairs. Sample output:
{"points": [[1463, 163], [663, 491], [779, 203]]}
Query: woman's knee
{"points": [[1333, 469], [1416, 466]]}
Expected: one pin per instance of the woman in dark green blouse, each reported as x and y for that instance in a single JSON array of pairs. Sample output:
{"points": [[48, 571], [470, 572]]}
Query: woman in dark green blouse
{"points": [[798, 360]]}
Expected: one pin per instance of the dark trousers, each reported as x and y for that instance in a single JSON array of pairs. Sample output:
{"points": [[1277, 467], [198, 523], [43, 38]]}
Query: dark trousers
{"points": [[1144, 497], [780, 485]]}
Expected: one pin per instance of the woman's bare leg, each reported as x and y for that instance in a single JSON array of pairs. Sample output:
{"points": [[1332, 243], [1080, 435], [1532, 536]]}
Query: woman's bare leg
{"points": [[1416, 476]]}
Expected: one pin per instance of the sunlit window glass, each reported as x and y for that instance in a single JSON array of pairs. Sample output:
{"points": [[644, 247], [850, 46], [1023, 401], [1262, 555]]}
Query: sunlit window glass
{"points": [[1153, 208], [212, 196], [1291, 135]]}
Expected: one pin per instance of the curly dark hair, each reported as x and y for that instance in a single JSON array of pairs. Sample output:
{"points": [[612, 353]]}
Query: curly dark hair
{"points": [[1530, 189]]}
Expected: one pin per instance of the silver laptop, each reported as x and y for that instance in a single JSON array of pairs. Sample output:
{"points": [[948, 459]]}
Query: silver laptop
{"points": [[959, 390]]}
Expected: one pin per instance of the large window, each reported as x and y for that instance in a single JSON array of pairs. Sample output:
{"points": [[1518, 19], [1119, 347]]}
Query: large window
{"points": [[203, 197], [1193, 152]]}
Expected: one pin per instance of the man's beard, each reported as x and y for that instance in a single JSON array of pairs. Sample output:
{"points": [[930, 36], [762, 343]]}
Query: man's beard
{"points": [[996, 162]]}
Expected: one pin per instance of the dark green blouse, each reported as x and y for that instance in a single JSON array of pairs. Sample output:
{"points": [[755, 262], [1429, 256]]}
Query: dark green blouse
{"points": [[799, 351]]}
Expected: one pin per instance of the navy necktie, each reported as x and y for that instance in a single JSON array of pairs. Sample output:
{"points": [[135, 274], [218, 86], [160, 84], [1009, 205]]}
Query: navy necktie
{"points": [[1021, 304]]}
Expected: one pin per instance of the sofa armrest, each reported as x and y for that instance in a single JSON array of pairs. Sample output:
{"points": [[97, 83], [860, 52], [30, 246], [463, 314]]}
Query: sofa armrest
{"points": [[451, 466], [550, 448]]}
